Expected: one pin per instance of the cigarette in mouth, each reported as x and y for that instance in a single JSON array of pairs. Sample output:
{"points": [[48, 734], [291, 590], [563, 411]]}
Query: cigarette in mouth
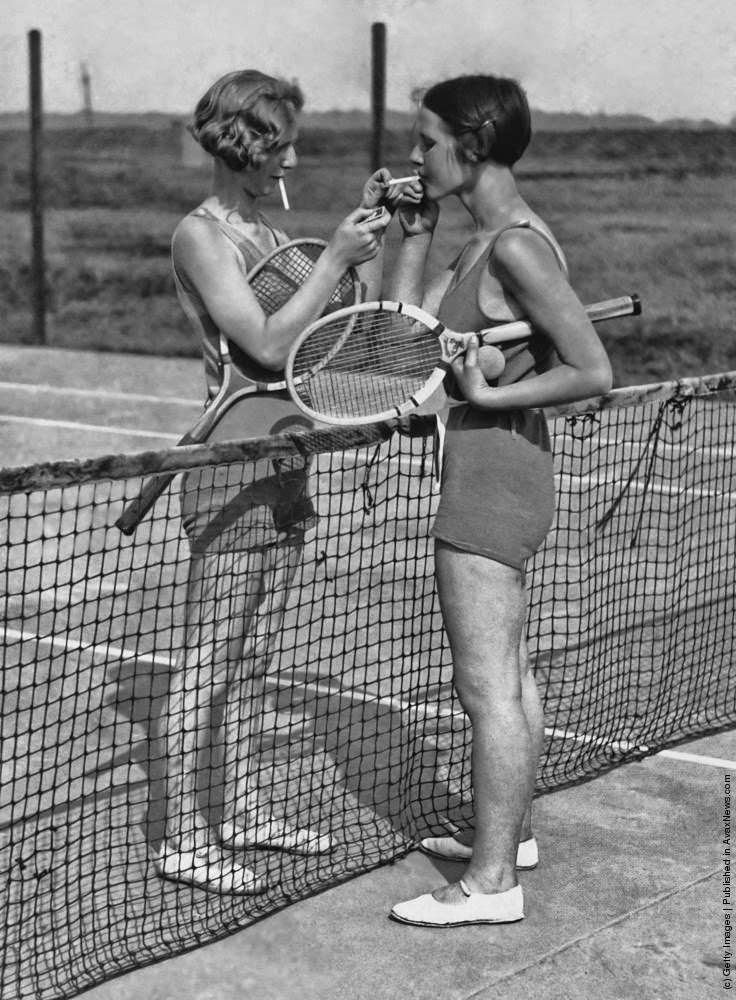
{"points": [[284, 198]]}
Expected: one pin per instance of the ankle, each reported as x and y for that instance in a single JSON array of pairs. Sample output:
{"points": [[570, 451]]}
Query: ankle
{"points": [[491, 881]]}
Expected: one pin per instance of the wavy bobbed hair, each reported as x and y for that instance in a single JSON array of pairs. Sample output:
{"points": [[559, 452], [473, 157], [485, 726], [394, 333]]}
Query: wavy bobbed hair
{"points": [[488, 115], [244, 115]]}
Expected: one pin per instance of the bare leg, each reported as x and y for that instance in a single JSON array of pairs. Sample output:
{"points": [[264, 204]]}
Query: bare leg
{"points": [[268, 591], [534, 712], [483, 606], [223, 592]]}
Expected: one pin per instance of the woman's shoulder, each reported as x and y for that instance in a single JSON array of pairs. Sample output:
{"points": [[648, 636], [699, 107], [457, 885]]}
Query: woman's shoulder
{"points": [[202, 234], [517, 253], [523, 241], [195, 225]]}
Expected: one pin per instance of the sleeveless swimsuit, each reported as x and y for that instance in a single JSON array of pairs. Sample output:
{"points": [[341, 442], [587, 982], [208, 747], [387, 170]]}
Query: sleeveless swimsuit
{"points": [[246, 505], [498, 490]]}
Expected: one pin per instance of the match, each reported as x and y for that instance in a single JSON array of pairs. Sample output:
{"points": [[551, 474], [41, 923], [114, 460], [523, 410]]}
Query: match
{"points": [[284, 197]]}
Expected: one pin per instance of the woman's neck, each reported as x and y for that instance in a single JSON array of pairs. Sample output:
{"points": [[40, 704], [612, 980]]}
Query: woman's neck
{"points": [[493, 201], [229, 201]]}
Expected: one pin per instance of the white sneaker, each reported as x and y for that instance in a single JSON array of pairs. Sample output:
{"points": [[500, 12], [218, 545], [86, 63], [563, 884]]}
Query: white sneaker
{"points": [[477, 908], [450, 849]]}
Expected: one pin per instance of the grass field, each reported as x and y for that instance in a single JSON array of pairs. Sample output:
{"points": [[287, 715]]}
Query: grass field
{"points": [[652, 211]]}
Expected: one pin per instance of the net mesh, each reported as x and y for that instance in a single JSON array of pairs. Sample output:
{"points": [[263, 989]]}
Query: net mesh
{"points": [[356, 738]]}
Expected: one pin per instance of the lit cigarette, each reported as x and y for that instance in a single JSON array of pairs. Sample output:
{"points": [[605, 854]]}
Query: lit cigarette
{"points": [[282, 189], [400, 180]]}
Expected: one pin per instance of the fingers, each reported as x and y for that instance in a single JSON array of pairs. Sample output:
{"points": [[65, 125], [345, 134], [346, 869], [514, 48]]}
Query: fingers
{"points": [[475, 368], [471, 352], [376, 219], [375, 188], [403, 192], [370, 218], [358, 237]]}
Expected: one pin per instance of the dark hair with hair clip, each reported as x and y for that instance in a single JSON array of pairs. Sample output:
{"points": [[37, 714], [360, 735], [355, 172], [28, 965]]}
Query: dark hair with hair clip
{"points": [[488, 115], [244, 115]]}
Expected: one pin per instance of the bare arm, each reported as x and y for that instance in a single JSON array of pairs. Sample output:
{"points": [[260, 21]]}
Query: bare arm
{"points": [[371, 272], [215, 269], [418, 218], [528, 271]]}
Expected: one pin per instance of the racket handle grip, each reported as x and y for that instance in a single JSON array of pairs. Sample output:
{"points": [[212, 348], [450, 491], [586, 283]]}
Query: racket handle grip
{"points": [[627, 305], [134, 512], [520, 329]]}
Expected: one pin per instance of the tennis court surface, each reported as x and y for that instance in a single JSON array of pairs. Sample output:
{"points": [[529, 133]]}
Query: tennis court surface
{"points": [[631, 626]]}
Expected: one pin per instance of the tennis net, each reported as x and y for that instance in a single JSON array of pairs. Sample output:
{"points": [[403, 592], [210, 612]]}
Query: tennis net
{"points": [[360, 739]]}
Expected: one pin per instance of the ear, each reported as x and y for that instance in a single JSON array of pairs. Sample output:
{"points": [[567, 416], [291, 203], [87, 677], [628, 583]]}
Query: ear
{"points": [[468, 147]]}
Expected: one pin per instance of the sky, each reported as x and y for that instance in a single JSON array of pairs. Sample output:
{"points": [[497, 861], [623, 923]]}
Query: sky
{"points": [[660, 58]]}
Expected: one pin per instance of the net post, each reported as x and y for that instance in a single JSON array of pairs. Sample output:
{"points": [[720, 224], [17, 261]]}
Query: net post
{"points": [[38, 276], [378, 92]]}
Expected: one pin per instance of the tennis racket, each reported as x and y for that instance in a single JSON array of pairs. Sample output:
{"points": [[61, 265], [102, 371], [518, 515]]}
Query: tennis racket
{"points": [[274, 279], [383, 360]]}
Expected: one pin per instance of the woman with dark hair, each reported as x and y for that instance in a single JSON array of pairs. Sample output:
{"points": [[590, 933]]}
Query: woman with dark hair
{"points": [[245, 523], [497, 499]]}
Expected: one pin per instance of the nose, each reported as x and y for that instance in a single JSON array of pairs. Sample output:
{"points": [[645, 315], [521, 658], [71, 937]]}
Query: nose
{"points": [[289, 158], [415, 157]]}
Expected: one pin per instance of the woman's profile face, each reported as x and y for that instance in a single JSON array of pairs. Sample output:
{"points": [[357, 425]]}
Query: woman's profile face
{"points": [[435, 156], [262, 179]]}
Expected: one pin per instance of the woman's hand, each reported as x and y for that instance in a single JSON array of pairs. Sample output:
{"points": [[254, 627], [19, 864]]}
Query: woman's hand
{"points": [[417, 214], [474, 369], [375, 188], [357, 238]]}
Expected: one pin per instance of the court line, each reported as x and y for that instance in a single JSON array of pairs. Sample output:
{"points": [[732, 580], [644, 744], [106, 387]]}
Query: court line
{"points": [[642, 486], [696, 758], [108, 650], [92, 428], [320, 687], [42, 387], [626, 745]]}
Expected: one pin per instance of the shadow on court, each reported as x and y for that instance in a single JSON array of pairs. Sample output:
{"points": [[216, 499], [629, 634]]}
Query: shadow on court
{"points": [[626, 904]]}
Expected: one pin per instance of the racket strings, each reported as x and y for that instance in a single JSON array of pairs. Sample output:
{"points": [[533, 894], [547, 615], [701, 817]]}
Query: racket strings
{"points": [[287, 270], [364, 363]]}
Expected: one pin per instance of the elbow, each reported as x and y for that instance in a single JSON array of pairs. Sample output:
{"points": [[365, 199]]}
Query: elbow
{"points": [[264, 352], [271, 358], [601, 378]]}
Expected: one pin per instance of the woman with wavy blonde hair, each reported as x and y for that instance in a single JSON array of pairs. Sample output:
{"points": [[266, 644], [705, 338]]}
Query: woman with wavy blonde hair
{"points": [[245, 523]]}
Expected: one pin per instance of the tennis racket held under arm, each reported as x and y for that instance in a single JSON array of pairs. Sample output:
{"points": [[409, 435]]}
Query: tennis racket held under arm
{"points": [[273, 280], [384, 360]]}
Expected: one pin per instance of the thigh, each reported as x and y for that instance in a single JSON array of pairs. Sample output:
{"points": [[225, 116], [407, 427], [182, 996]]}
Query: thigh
{"points": [[483, 606]]}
